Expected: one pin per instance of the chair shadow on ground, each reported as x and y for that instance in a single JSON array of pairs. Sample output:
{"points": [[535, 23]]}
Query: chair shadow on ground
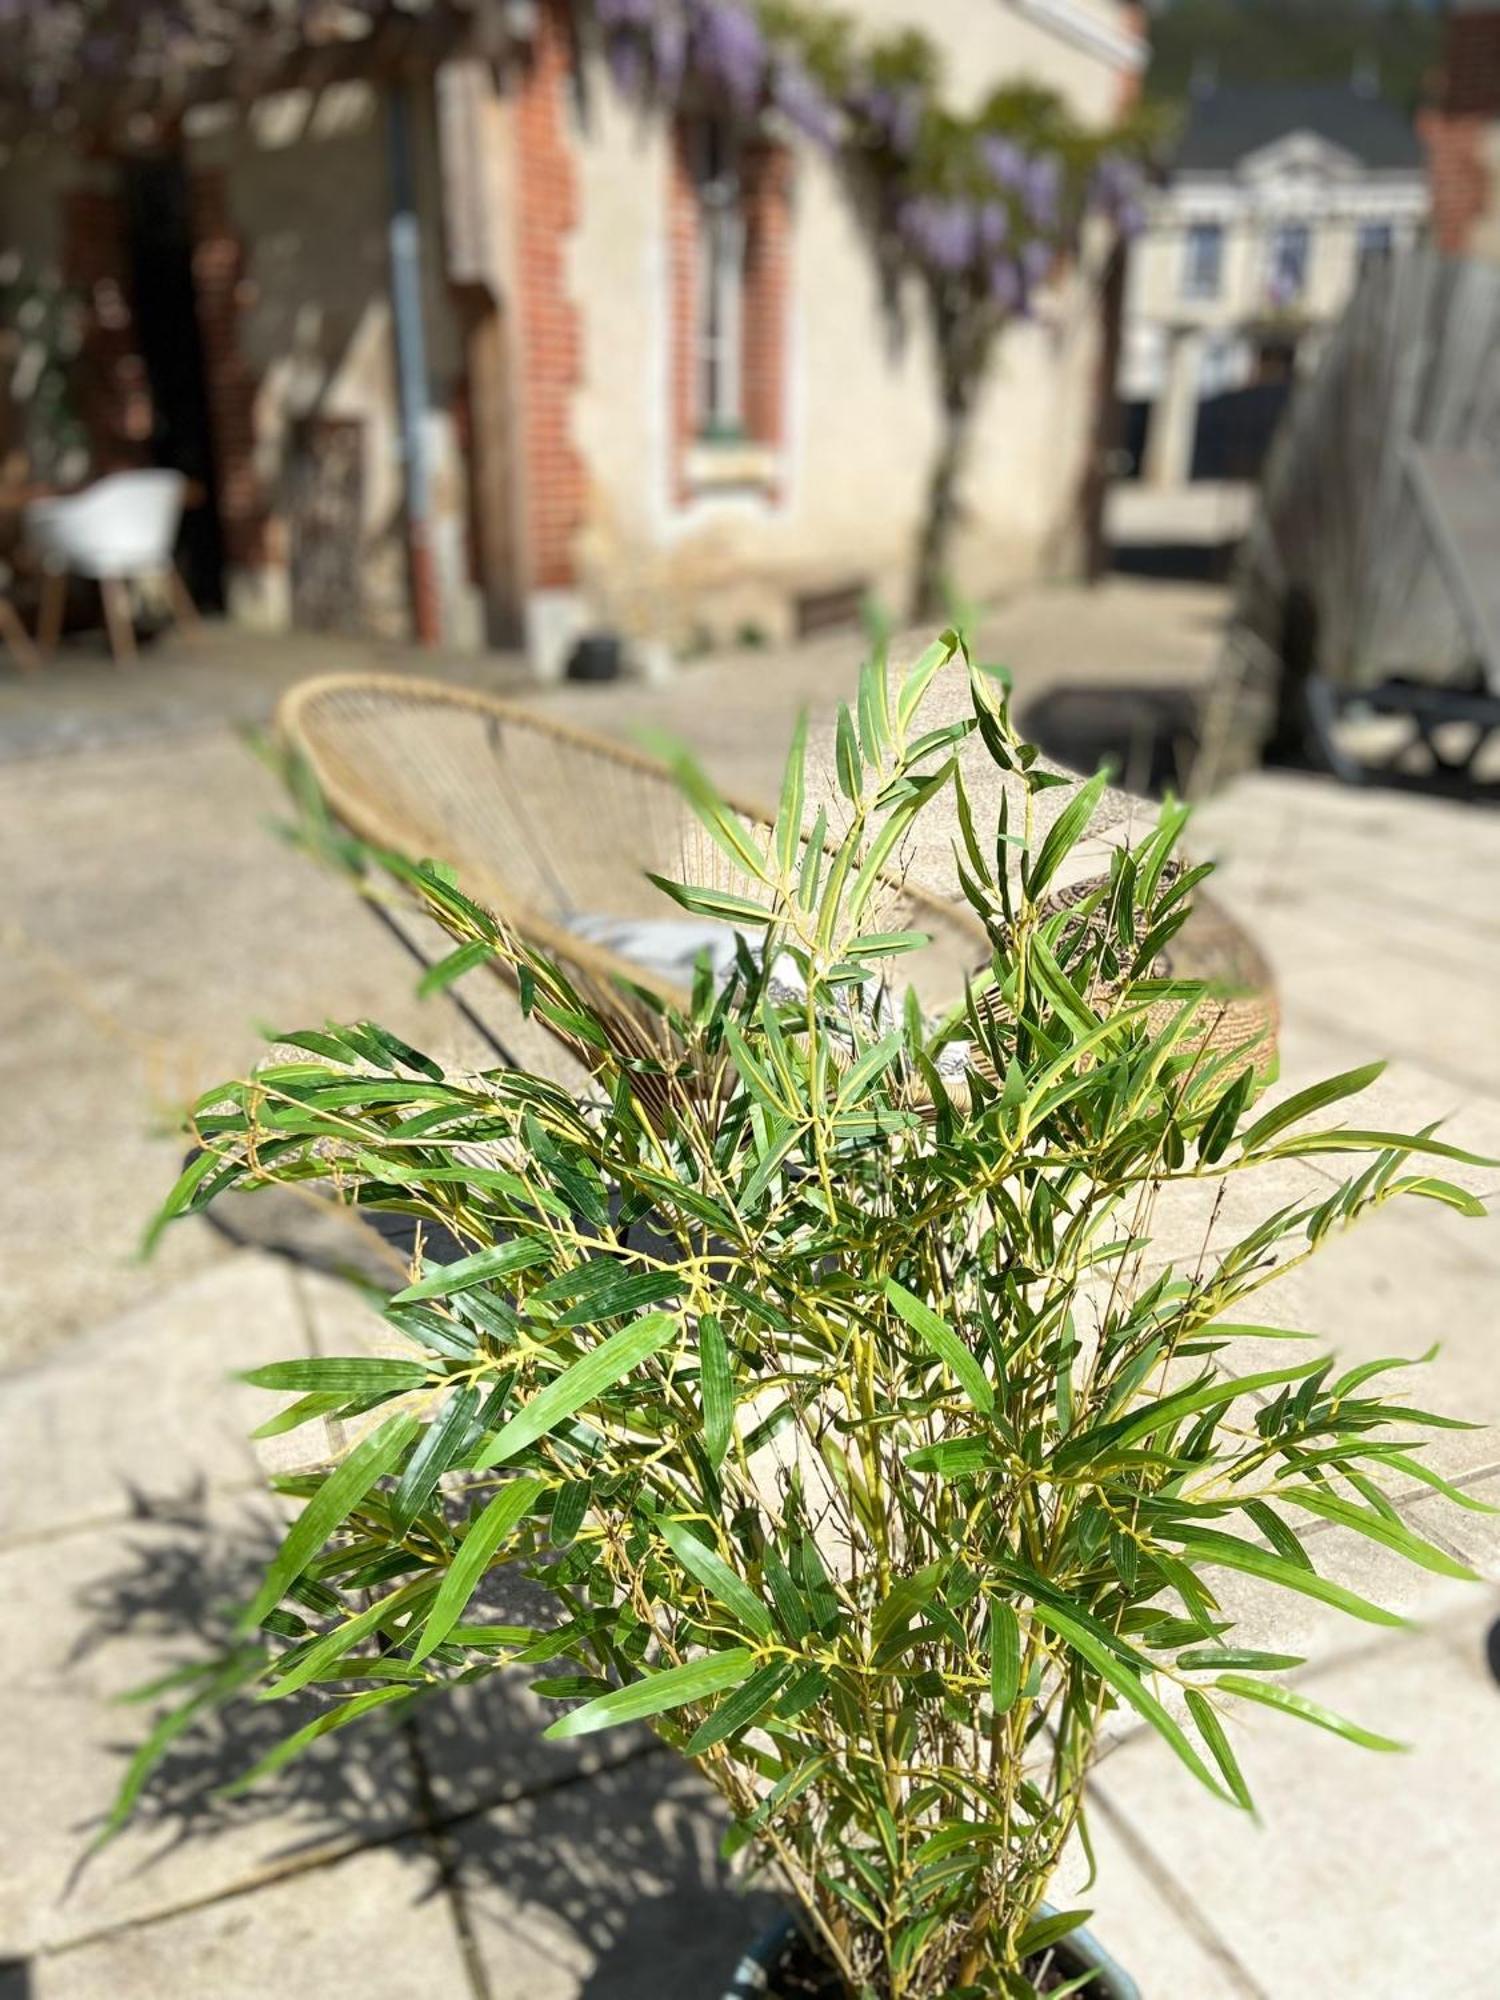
{"points": [[1148, 735], [612, 1872]]}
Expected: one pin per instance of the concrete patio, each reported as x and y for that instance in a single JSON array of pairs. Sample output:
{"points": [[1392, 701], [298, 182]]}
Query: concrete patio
{"points": [[147, 919]]}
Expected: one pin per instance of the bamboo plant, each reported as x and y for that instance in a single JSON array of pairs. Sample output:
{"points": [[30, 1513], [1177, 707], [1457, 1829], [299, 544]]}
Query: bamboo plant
{"points": [[863, 1447]]}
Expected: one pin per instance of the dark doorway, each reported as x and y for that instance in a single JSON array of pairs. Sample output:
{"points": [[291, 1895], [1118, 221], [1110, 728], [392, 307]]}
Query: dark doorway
{"points": [[159, 218]]}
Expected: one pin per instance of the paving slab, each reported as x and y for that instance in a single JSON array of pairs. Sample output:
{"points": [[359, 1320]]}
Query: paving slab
{"points": [[1365, 1874], [610, 1890], [104, 1612], [377, 1923], [146, 1406]]}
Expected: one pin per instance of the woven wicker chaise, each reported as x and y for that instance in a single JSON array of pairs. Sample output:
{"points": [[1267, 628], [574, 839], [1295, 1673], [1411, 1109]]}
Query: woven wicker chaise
{"points": [[556, 830]]}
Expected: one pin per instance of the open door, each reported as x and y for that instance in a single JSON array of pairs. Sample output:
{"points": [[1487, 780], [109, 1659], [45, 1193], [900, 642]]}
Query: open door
{"points": [[159, 224]]}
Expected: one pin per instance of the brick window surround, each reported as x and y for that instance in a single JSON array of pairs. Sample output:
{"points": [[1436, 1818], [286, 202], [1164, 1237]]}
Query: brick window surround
{"points": [[766, 177], [549, 332]]}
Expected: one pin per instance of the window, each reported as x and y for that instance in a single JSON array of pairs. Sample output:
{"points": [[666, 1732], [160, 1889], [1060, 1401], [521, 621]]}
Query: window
{"points": [[1376, 242], [1204, 260], [719, 333], [1287, 276]]}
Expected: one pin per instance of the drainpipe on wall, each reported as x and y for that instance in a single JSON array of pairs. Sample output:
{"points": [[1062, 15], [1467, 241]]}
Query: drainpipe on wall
{"points": [[405, 238]]}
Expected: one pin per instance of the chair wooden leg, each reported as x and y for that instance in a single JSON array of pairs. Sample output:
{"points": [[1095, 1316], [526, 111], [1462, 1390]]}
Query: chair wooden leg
{"points": [[13, 634], [183, 607], [50, 614], [116, 595]]}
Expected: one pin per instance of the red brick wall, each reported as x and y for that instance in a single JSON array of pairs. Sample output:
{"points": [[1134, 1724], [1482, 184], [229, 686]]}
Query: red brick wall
{"points": [[548, 329], [218, 274], [114, 395], [1458, 176], [682, 305], [768, 280]]}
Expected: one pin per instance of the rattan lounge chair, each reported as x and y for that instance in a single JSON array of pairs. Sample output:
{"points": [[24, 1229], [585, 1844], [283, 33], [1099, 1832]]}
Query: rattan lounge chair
{"points": [[554, 830]]}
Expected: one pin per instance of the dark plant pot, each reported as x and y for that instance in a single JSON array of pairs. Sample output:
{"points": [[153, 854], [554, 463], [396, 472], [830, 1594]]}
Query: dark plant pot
{"points": [[782, 1967], [596, 657]]}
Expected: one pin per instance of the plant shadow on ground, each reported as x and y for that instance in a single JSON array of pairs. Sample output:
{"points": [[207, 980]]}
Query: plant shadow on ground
{"points": [[606, 1868], [1149, 735]]}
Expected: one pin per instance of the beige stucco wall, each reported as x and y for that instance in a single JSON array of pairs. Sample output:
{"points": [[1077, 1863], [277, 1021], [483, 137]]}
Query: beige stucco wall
{"points": [[986, 41], [863, 416]]}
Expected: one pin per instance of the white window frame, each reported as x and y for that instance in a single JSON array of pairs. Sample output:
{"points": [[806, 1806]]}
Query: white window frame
{"points": [[719, 316], [1200, 281], [1293, 226], [1374, 239]]}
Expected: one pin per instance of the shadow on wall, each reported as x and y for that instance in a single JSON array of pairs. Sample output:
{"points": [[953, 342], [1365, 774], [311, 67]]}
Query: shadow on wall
{"points": [[614, 1869]]}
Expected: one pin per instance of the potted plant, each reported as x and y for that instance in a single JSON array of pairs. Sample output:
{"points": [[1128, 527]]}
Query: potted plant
{"points": [[824, 1376]]}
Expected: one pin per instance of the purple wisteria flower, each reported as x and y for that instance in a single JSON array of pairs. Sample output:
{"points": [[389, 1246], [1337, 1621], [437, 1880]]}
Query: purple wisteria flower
{"points": [[730, 50], [625, 13], [942, 232], [1006, 162], [1118, 191], [626, 56], [895, 111], [1042, 191], [1037, 260], [669, 49], [1007, 285], [798, 97], [992, 224]]}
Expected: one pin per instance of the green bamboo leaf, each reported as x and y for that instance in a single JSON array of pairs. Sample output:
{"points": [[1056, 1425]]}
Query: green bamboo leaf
{"points": [[1292, 1703], [1122, 1432], [1212, 1731], [1005, 1656], [500, 1260], [1128, 1684], [1214, 1659], [705, 1566], [1064, 834], [334, 1646], [329, 1507], [736, 910], [793, 801], [1208, 1546], [944, 1342], [1044, 1932], [486, 1533], [360, 1375], [440, 1445], [722, 824], [656, 1693], [715, 1388], [920, 678], [1377, 1528], [1303, 1103], [872, 1064], [577, 1386], [738, 1710], [846, 754], [439, 977], [1426, 1188]]}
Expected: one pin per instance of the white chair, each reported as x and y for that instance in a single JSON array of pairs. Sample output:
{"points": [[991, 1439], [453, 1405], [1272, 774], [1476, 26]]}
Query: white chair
{"points": [[117, 532]]}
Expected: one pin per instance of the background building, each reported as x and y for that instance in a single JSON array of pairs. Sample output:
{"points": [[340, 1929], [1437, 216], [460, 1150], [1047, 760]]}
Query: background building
{"points": [[471, 351], [1277, 195]]}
